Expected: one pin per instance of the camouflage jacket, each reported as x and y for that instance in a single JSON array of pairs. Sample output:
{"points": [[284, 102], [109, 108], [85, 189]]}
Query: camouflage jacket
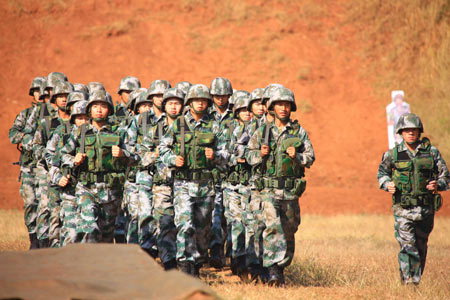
{"points": [[39, 113], [121, 114], [220, 118], [16, 134]]}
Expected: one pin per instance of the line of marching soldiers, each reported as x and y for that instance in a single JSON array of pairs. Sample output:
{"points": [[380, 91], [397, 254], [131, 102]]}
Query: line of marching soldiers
{"points": [[192, 174]]}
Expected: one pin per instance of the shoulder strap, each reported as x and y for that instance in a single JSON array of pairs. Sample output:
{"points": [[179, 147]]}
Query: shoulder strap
{"points": [[83, 137], [182, 121], [68, 127], [144, 119], [266, 133], [160, 129], [47, 124]]}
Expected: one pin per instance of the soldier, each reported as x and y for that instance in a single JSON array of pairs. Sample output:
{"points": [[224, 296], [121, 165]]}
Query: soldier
{"points": [[221, 111], [98, 153], [95, 86], [126, 86], [255, 105], [79, 87], [43, 134], [66, 178], [413, 171], [193, 145], [281, 150], [183, 85], [27, 187], [163, 209]]}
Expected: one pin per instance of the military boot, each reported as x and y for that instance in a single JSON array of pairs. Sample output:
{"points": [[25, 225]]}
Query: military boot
{"points": [[242, 270], [34, 243], [184, 266], [275, 278], [170, 265], [215, 257], [255, 273], [195, 270], [43, 243]]}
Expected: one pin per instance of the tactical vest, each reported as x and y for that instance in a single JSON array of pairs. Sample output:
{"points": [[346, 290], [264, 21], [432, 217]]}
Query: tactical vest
{"points": [[158, 132], [278, 169], [26, 157], [191, 145], [240, 173], [100, 165], [411, 176]]}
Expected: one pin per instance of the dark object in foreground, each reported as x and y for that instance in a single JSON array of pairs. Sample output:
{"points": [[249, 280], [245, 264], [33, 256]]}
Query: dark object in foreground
{"points": [[93, 271]]}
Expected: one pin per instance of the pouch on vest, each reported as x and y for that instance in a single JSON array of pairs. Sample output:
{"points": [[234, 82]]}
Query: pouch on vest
{"points": [[437, 202], [299, 187], [108, 162], [401, 176], [89, 146], [291, 142]]}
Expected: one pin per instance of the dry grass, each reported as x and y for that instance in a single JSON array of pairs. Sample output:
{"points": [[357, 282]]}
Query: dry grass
{"points": [[341, 257]]}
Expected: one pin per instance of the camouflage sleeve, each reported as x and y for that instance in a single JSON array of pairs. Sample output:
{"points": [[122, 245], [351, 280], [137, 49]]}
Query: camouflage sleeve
{"points": [[129, 142], [166, 147], [306, 157], [253, 151], [146, 150], [39, 142], [16, 132], [443, 175], [68, 151], [54, 174], [30, 129], [52, 145], [221, 154], [385, 170]]}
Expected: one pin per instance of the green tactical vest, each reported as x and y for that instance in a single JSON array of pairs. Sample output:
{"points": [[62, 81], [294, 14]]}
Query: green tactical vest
{"points": [[158, 132], [191, 145], [278, 163], [240, 173], [411, 176]]}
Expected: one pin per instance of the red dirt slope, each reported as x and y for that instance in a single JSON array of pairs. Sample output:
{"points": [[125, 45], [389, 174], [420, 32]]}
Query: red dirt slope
{"points": [[304, 46]]}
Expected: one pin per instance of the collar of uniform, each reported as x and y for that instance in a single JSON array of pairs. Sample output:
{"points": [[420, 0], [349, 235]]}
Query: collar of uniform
{"points": [[106, 127], [214, 110], [190, 119]]}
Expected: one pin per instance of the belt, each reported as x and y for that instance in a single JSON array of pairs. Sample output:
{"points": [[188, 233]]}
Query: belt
{"points": [[195, 175], [279, 183]]}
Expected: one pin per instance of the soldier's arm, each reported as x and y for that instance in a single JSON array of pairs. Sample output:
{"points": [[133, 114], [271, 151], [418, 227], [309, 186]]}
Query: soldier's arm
{"points": [[39, 142], [129, 143], [443, 175], [385, 170], [253, 151], [52, 144], [16, 132], [221, 153], [166, 153], [146, 150], [306, 157], [30, 129], [68, 151]]}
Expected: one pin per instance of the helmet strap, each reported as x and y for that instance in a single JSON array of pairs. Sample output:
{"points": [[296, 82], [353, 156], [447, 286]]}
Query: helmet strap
{"points": [[258, 116], [174, 116], [99, 119], [157, 106], [284, 119]]}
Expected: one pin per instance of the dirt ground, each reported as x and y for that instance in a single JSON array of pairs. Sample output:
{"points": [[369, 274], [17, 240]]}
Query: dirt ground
{"points": [[305, 46]]}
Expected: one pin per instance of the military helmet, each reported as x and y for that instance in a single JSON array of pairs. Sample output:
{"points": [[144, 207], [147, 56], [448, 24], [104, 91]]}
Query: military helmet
{"points": [[95, 86], [172, 93], [134, 96], [61, 87], [79, 87], [236, 95], [54, 77], [76, 97], [100, 96], [36, 84], [184, 86], [129, 83], [282, 94], [408, 120], [254, 96], [79, 108], [241, 101], [198, 91], [158, 87], [141, 97], [221, 86], [43, 90], [267, 91]]}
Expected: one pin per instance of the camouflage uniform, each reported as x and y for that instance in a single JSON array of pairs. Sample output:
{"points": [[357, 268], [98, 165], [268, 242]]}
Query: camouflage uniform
{"points": [[193, 184], [281, 185], [413, 205]]}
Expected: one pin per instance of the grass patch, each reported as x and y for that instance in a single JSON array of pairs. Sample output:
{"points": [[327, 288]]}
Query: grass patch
{"points": [[310, 272]]}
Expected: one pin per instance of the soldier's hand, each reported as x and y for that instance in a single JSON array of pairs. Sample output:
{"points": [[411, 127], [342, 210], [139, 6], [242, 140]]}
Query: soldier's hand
{"points": [[157, 151], [391, 187], [79, 158], [291, 152], [264, 150], [64, 181], [432, 185], [241, 160], [117, 151], [209, 153], [179, 161]]}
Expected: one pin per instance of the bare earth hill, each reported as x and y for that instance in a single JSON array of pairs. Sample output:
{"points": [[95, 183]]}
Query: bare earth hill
{"points": [[305, 46]]}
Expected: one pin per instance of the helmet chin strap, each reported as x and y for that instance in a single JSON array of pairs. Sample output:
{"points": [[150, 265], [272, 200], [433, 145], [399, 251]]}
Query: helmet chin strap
{"points": [[157, 106], [221, 106], [174, 116], [99, 119], [258, 116], [62, 108], [284, 119], [199, 111]]}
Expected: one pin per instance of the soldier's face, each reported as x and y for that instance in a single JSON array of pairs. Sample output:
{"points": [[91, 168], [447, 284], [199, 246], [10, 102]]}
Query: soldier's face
{"points": [[61, 100], [173, 106], [124, 95], [144, 107], [81, 119], [157, 99], [199, 104], [220, 100], [257, 108], [410, 135], [245, 115], [282, 109], [99, 110], [36, 95]]}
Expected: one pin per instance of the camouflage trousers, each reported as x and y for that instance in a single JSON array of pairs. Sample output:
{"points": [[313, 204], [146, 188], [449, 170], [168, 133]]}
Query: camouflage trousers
{"points": [[163, 211], [130, 206], [69, 217], [146, 222], [98, 206], [193, 202], [120, 226], [43, 215], [412, 229], [218, 225], [55, 223], [30, 201], [236, 198], [281, 219], [254, 228]]}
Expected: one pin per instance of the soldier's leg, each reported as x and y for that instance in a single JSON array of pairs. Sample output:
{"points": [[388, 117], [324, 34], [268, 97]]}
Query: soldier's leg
{"points": [[290, 220], [30, 204], [69, 218], [120, 226], [54, 204], [43, 216], [218, 228], [255, 248], [202, 220], [107, 217], [164, 216], [236, 222], [423, 230], [408, 256], [132, 206], [146, 221], [87, 229]]}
